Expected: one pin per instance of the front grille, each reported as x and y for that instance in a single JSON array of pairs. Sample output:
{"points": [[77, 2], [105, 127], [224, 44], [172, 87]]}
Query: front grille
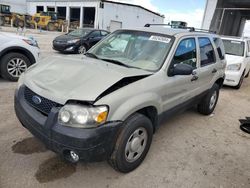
{"points": [[44, 106]]}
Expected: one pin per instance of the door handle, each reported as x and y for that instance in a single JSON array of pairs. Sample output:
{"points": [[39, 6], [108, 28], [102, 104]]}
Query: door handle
{"points": [[214, 71], [194, 78]]}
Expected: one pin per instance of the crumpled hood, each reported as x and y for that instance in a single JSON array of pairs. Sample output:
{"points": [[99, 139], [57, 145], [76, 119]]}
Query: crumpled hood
{"points": [[63, 78], [233, 59]]}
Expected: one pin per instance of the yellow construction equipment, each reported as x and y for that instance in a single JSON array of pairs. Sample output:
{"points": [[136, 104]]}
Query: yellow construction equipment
{"points": [[18, 20], [5, 14], [47, 20]]}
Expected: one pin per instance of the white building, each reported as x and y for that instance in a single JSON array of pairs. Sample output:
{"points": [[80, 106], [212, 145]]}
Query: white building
{"points": [[16, 5], [226, 17], [103, 14]]}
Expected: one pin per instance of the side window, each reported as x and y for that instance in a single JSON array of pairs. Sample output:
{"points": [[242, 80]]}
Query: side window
{"points": [[104, 33], [94, 34], [206, 52], [220, 48], [185, 53]]}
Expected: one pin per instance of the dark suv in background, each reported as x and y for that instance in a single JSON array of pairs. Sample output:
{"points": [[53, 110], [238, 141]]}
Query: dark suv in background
{"points": [[79, 40]]}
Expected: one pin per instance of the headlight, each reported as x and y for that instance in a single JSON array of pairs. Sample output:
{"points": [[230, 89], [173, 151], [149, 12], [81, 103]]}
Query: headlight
{"points": [[234, 67], [82, 116], [73, 41], [31, 42]]}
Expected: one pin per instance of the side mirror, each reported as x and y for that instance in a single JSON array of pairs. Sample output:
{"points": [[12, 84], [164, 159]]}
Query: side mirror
{"points": [[182, 69]]}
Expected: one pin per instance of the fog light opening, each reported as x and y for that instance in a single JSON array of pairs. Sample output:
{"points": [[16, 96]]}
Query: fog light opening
{"points": [[71, 156]]}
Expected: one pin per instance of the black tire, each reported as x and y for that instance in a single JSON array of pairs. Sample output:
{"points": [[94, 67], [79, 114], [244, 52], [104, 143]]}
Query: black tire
{"points": [[51, 27], [4, 65], [118, 158], [19, 23], [205, 107], [241, 81], [2, 21], [247, 74]]}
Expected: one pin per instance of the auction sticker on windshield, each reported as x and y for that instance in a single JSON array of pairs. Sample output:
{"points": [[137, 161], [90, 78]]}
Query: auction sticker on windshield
{"points": [[160, 39]]}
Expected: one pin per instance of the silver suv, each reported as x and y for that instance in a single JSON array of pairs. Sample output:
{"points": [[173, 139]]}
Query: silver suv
{"points": [[107, 105]]}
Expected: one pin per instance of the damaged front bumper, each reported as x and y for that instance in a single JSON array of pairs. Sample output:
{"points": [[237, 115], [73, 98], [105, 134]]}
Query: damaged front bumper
{"points": [[90, 144]]}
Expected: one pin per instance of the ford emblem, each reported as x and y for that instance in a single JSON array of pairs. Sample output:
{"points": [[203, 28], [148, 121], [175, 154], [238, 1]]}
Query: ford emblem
{"points": [[36, 99]]}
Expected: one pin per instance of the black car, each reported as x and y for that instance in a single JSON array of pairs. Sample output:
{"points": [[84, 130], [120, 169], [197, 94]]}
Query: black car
{"points": [[79, 40]]}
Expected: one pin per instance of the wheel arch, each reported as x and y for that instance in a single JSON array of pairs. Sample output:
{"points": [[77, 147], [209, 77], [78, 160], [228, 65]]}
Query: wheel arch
{"points": [[151, 113], [220, 82], [21, 50]]}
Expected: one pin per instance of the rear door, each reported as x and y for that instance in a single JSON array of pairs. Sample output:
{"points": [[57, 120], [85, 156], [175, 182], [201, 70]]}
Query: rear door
{"points": [[207, 64]]}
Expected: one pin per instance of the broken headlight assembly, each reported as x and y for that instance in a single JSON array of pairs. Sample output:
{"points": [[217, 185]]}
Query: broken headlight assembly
{"points": [[80, 116]]}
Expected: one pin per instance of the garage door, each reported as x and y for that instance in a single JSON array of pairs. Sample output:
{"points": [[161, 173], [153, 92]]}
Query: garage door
{"points": [[114, 25]]}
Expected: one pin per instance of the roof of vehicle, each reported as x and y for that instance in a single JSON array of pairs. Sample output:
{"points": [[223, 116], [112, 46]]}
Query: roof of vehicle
{"points": [[171, 31]]}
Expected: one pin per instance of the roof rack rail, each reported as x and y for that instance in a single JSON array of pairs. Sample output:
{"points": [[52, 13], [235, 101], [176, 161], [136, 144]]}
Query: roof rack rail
{"points": [[191, 29]]}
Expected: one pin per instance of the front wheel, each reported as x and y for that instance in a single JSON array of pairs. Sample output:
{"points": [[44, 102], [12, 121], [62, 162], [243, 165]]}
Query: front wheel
{"points": [[208, 103], [241, 81], [82, 49], [13, 65], [132, 144]]}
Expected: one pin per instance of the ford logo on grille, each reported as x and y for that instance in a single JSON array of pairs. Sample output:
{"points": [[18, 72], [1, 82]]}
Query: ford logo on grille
{"points": [[36, 99]]}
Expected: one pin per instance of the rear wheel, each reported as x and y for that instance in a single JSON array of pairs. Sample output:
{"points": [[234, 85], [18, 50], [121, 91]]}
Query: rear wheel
{"points": [[19, 23], [2, 20], [51, 27], [208, 103], [132, 144], [13, 65]]}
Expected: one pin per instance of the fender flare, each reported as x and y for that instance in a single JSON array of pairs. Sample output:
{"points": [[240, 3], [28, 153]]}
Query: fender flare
{"points": [[19, 49]]}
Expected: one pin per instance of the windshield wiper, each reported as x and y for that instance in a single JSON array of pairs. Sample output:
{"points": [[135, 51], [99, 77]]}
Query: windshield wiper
{"points": [[117, 62], [88, 54]]}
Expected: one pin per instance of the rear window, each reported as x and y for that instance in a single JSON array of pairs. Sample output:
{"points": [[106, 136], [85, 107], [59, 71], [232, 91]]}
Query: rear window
{"points": [[220, 48], [234, 47]]}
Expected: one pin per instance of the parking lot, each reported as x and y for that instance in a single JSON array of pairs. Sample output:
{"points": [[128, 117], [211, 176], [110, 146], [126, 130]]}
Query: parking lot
{"points": [[188, 150]]}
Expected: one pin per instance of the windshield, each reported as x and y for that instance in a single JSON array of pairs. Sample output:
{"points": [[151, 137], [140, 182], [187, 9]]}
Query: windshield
{"points": [[79, 32], [233, 47], [136, 49]]}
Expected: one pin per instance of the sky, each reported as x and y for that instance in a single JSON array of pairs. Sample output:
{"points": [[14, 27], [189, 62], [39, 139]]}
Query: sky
{"points": [[190, 11]]}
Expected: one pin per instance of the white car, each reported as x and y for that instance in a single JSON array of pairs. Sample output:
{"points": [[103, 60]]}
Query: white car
{"points": [[238, 60], [17, 53]]}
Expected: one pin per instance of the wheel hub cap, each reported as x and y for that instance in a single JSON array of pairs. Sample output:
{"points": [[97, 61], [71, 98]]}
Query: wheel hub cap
{"points": [[136, 144], [213, 100], [16, 67]]}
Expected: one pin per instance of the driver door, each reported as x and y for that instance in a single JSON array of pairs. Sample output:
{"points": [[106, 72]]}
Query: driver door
{"points": [[181, 88], [94, 37]]}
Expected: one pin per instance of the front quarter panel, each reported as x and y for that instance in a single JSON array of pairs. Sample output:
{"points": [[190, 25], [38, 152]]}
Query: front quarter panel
{"points": [[132, 105]]}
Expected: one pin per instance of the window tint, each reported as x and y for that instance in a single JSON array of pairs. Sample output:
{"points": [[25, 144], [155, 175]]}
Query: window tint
{"points": [[95, 34], [104, 33], [206, 52], [185, 53], [220, 48]]}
